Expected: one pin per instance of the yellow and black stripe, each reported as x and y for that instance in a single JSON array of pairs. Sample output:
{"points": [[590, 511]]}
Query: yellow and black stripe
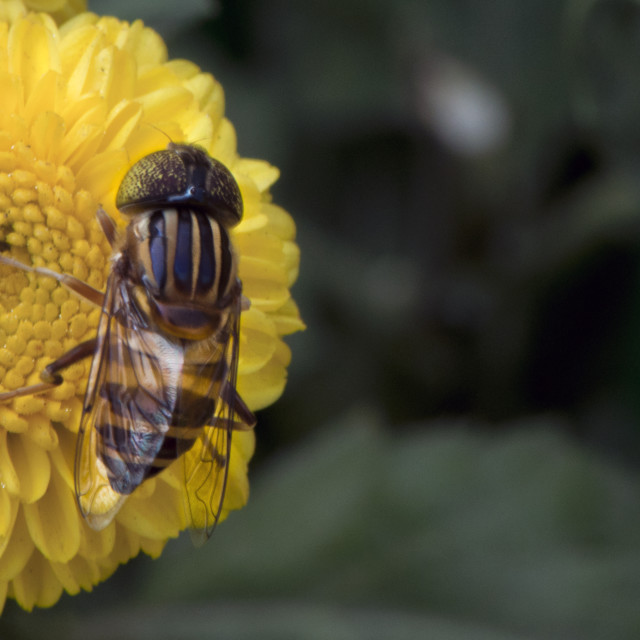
{"points": [[157, 395], [184, 255]]}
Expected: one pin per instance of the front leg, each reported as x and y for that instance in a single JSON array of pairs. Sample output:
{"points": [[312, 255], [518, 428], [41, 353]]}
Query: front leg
{"points": [[50, 375], [77, 286]]}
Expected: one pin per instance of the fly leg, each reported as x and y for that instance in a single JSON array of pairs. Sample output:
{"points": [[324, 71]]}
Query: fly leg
{"points": [[77, 286], [246, 420], [50, 376]]}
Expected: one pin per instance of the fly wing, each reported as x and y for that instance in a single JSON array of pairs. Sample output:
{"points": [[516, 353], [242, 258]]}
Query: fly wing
{"points": [[127, 409], [98, 503], [206, 465]]}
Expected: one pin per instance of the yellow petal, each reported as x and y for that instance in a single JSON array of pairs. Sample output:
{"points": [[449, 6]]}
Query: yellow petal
{"points": [[78, 51], [244, 444], [263, 387], [114, 75], [251, 196], [264, 283], [37, 584], [184, 69], [74, 25], [260, 244], [173, 475], [280, 222], [14, 507], [146, 46], [46, 96], [121, 122], [261, 172], [165, 103], [197, 127], [11, 95], [291, 253], [95, 545], [87, 109], [18, 551], [63, 457], [146, 489], [287, 318], [24, 467], [80, 144], [154, 78], [160, 518], [8, 476], [224, 145], [77, 574], [152, 547], [53, 522], [97, 174], [237, 492], [257, 340], [11, 420], [47, 133], [32, 50], [8, 508], [206, 90], [127, 545], [251, 221], [42, 433], [83, 138]]}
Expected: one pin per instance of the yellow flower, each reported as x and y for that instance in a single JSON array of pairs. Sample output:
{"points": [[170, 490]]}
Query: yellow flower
{"points": [[79, 105]]}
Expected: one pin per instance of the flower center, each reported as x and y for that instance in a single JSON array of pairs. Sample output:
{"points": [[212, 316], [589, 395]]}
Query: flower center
{"points": [[45, 221]]}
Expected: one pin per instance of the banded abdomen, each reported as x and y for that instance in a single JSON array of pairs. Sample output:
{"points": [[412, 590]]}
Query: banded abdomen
{"points": [[158, 394]]}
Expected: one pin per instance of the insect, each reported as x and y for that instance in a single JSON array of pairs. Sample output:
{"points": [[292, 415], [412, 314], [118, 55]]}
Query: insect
{"points": [[162, 380]]}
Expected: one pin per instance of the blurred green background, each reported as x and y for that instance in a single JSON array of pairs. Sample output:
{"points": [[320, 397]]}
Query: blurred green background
{"points": [[456, 454]]}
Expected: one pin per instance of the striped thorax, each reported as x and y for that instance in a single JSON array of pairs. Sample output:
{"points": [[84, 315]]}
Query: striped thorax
{"points": [[185, 263]]}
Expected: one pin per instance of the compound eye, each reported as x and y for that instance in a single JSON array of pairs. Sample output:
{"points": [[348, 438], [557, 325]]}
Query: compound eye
{"points": [[153, 179], [181, 175], [220, 193]]}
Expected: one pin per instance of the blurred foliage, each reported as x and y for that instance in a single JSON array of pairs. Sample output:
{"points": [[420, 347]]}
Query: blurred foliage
{"points": [[456, 452], [512, 537]]}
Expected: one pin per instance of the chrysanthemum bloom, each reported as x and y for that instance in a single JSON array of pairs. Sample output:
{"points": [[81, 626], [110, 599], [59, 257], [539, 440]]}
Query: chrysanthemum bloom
{"points": [[79, 105]]}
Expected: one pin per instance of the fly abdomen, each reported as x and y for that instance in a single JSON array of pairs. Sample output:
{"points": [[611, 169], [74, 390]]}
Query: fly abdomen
{"points": [[144, 431], [133, 455], [129, 455]]}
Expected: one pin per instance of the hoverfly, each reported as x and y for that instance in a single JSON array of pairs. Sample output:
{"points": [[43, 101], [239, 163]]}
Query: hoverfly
{"points": [[162, 380]]}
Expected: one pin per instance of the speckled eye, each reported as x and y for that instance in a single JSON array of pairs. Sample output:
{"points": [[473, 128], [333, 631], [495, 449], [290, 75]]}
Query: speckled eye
{"points": [[181, 175]]}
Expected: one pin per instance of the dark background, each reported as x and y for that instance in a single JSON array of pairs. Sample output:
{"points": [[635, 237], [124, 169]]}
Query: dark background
{"points": [[456, 453]]}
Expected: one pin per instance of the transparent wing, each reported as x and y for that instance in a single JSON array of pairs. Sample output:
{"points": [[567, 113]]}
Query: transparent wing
{"points": [[98, 503], [206, 465], [126, 411]]}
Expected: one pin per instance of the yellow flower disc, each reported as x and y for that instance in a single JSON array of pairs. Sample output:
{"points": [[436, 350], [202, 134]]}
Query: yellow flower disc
{"points": [[79, 105]]}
